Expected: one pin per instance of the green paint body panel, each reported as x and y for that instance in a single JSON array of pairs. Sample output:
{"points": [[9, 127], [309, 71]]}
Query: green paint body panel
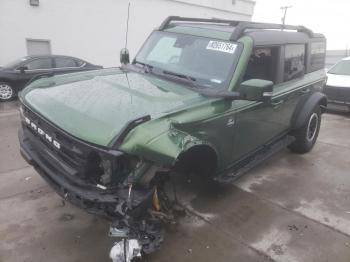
{"points": [[94, 107]]}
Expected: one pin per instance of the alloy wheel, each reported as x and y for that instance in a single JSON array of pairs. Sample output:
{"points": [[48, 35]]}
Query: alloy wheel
{"points": [[312, 127], [6, 91]]}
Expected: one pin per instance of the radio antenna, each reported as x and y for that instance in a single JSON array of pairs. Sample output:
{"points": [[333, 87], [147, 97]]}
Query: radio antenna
{"points": [[127, 27]]}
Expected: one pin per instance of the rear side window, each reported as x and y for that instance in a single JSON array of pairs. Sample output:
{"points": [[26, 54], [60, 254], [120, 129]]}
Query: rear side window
{"points": [[294, 62], [41, 63], [318, 56], [79, 62], [62, 62]]}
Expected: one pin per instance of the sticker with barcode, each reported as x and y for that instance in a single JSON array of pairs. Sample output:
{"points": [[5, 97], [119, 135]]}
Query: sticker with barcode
{"points": [[222, 46]]}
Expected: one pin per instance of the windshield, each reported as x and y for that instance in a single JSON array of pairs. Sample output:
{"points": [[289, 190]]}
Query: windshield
{"points": [[342, 68], [208, 62], [15, 63]]}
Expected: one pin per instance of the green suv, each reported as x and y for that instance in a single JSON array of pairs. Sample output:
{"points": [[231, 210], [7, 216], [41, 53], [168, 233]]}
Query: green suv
{"points": [[203, 97]]}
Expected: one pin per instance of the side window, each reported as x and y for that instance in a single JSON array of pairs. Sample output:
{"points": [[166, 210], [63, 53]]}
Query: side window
{"points": [[62, 62], [79, 62], [317, 56], [263, 64], [41, 63], [294, 62]]}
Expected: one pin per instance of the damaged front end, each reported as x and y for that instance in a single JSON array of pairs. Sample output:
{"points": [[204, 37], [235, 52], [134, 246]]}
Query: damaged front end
{"points": [[123, 188]]}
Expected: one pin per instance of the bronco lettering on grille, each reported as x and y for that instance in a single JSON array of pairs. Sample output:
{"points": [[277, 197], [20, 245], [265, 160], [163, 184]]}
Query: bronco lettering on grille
{"points": [[42, 133]]}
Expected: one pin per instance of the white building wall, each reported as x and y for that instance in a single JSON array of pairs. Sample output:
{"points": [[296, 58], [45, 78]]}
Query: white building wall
{"points": [[95, 30]]}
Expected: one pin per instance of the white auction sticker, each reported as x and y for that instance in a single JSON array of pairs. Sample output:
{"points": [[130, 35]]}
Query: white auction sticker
{"points": [[222, 46]]}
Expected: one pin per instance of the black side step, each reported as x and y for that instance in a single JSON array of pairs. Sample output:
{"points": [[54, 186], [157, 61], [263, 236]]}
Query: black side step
{"points": [[262, 154]]}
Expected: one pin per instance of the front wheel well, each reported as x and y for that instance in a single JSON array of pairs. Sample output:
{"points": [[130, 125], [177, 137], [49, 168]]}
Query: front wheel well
{"points": [[200, 160]]}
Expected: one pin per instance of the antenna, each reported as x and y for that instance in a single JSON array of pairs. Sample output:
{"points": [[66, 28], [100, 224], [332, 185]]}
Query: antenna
{"points": [[127, 27], [285, 9], [124, 53]]}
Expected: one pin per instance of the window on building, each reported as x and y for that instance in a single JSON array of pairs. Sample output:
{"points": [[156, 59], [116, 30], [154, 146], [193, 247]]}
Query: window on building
{"points": [[41, 63], [263, 64], [62, 62], [38, 47], [318, 56], [294, 62]]}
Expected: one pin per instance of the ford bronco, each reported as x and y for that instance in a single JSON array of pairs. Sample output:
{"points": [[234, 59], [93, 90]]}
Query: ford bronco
{"points": [[204, 97]]}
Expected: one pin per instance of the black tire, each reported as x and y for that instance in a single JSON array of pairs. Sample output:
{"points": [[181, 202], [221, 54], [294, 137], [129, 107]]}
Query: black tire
{"points": [[306, 135], [7, 93]]}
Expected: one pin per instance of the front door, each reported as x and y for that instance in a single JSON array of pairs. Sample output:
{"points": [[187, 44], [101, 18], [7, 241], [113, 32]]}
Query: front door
{"points": [[258, 123], [33, 68]]}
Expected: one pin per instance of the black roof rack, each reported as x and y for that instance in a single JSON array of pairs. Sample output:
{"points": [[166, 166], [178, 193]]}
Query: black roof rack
{"points": [[240, 26]]}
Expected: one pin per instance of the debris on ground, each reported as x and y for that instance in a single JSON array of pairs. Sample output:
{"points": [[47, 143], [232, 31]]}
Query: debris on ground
{"points": [[66, 217], [143, 234]]}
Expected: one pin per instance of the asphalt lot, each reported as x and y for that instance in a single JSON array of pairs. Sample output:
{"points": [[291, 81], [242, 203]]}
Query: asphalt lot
{"points": [[291, 208]]}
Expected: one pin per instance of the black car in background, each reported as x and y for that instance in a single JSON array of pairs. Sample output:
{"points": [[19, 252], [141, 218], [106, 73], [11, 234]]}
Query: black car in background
{"points": [[14, 76]]}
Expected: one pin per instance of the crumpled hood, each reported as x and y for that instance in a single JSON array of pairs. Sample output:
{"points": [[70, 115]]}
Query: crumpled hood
{"points": [[94, 106]]}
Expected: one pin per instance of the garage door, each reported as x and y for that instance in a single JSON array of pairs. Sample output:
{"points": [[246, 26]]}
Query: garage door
{"points": [[38, 47]]}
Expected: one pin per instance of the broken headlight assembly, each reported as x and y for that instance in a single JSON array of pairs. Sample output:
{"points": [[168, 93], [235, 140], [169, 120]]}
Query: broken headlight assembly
{"points": [[108, 170]]}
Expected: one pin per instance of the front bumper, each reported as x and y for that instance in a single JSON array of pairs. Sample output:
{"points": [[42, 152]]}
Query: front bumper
{"points": [[107, 203], [337, 95]]}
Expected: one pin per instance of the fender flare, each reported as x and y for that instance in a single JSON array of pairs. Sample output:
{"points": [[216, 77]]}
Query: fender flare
{"points": [[305, 107]]}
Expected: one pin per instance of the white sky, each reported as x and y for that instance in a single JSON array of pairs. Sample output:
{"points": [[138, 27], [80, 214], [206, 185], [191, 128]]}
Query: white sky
{"points": [[330, 17]]}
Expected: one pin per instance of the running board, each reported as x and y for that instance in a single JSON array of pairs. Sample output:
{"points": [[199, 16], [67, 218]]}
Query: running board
{"points": [[262, 154]]}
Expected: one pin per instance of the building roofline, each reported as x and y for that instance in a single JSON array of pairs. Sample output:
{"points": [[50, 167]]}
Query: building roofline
{"points": [[220, 9]]}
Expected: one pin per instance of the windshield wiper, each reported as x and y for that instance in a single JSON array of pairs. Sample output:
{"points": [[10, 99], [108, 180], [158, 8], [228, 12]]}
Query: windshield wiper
{"points": [[189, 79], [146, 67]]}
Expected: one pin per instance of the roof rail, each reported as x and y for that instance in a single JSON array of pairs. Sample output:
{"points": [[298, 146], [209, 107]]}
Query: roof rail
{"points": [[240, 26], [170, 19]]}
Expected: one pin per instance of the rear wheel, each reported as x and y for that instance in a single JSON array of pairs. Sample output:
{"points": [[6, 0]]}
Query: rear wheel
{"points": [[6, 92], [306, 135]]}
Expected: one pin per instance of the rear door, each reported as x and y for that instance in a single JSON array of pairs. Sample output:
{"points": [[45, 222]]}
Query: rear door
{"points": [[294, 83], [63, 65]]}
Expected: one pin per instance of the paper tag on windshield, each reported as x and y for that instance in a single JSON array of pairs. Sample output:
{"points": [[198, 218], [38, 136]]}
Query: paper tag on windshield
{"points": [[222, 46]]}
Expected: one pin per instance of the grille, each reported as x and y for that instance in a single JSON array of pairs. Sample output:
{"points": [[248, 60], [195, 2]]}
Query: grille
{"points": [[70, 151], [335, 93]]}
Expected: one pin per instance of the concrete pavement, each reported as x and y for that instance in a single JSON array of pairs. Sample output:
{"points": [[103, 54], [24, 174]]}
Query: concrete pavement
{"points": [[291, 208]]}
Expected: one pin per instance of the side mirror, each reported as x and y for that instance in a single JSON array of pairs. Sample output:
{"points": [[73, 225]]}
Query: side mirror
{"points": [[257, 90], [22, 69], [124, 56]]}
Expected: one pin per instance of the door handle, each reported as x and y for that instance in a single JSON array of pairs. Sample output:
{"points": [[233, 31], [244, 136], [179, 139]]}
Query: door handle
{"points": [[277, 104]]}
